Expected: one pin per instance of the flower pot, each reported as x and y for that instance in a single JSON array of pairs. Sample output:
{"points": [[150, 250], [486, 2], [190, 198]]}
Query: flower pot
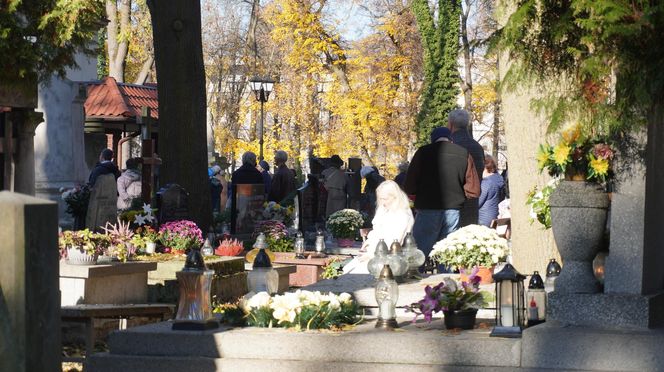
{"points": [[464, 319], [486, 273], [150, 247], [344, 242], [78, 256], [578, 220]]}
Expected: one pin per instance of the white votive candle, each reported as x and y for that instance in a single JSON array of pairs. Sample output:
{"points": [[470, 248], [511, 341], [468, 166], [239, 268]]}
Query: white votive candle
{"points": [[506, 316], [387, 310]]}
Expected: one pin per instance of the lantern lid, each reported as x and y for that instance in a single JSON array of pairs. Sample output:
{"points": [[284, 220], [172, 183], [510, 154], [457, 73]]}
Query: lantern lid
{"points": [[386, 273], [536, 281], [381, 248], [395, 248], [409, 240], [194, 261], [260, 241], [262, 259], [508, 273], [553, 268]]}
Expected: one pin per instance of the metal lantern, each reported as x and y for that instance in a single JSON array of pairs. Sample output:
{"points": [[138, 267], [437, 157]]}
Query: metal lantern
{"points": [[195, 305], [397, 261], [552, 272], [375, 264], [536, 300], [387, 294], [509, 302], [299, 246], [414, 257], [262, 277]]}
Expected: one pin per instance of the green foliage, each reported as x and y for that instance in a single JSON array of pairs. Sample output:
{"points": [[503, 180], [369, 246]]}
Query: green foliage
{"points": [[41, 37], [333, 268], [604, 56], [440, 42], [280, 244], [345, 223], [538, 200]]}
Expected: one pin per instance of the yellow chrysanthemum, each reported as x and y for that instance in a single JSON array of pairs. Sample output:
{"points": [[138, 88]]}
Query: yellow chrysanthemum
{"points": [[572, 133], [561, 154], [599, 166], [543, 156]]}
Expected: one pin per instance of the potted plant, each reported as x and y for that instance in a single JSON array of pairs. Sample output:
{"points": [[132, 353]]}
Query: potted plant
{"points": [[229, 247], [121, 237], [579, 205], [344, 225], [179, 236], [77, 199], [458, 301], [81, 247], [276, 236], [146, 238], [469, 247]]}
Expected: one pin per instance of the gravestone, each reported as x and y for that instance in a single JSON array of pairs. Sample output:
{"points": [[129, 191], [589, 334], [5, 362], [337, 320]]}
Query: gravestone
{"points": [[307, 207], [246, 204], [103, 203], [172, 203], [29, 295]]}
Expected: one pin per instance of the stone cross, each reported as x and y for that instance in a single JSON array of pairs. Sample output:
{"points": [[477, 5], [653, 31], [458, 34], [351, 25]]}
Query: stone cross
{"points": [[103, 202], [29, 293]]}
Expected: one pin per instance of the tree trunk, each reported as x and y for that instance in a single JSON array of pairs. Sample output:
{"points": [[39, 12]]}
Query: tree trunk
{"points": [[176, 26], [467, 81], [496, 115], [145, 71], [117, 46]]}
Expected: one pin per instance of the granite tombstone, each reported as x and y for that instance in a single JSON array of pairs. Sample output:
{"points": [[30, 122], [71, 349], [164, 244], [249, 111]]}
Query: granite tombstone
{"points": [[103, 203], [246, 204], [172, 203]]}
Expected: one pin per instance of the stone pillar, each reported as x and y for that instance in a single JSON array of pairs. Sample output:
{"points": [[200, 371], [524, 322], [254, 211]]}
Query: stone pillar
{"points": [[29, 293], [25, 122]]}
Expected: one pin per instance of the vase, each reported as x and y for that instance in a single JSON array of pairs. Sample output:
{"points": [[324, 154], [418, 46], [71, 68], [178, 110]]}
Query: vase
{"points": [[486, 273], [345, 242], [78, 256], [150, 247], [464, 319], [578, 219]]}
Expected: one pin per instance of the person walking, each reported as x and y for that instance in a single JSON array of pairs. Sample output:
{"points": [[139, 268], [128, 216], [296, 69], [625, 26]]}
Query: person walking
{"points": [[441, 176], [493, 192], [458, 121], [334, 180], [283, 181]]}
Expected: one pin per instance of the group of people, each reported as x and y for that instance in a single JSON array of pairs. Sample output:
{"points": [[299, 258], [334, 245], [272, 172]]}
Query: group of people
{"points": [[443, 179], [128, 183]]}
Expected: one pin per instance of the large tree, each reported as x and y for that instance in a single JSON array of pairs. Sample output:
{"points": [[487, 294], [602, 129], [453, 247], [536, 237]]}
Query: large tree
{"points": [[178, 50]]}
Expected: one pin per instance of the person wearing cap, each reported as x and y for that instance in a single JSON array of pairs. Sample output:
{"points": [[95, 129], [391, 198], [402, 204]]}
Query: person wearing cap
{"points": [[264, 168], [441, 176], [334, 180], [457, 122]]}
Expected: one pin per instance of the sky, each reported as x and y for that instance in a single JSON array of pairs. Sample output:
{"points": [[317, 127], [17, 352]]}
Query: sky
{"points": [[353, 22]]}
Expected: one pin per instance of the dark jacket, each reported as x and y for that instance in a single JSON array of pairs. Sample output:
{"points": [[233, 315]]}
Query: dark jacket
{"points": [[400, 179], [247, 174], [441, 176], [283, 184], [106, 167], [216, 188], [462, 138], [492, 193], [267, 181]]}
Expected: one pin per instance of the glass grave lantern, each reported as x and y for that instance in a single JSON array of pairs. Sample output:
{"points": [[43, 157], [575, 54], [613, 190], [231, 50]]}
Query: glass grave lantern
{"points": [[536, 300], [397, 261], [552, 272], [208, 249], [414, 257], [299, 246], [375, 264], [387, 294], [599, 263], [262, 277], [195, 305], [320, 243], [509, 302]]}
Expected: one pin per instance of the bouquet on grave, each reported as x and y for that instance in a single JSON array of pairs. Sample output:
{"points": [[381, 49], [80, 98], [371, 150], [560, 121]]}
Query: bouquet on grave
{"points": [[77, 199], [273, 211], [276, 236], [180, 235], [345, 223], [470, 246]]}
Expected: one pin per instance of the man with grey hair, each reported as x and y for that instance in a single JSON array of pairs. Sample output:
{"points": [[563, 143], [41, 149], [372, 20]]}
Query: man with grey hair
{"points": [[458, 121], [247, 173], [283, 181]]}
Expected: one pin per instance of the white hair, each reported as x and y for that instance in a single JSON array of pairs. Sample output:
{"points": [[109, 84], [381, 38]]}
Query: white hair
{"points": [[249, 158], [459, 118], [396, 199]]}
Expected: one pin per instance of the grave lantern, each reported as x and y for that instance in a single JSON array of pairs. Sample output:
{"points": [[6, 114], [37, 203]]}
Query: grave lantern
{"points": [[387, 293], [397, 261], [320, 243], [375, 265], [195, 306], [262, 277], [299, 246], [598, 266], [414, 256], [552, 272], [509, 302], [536, 300]]}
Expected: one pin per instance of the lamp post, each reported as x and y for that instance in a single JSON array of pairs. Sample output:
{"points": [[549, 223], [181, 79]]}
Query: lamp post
{"points": [[262, 87]]}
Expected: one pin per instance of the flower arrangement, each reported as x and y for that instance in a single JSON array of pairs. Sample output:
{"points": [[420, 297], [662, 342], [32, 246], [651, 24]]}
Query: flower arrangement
{"points": [[451, 295], [180, 235], [300, 310], [538, 200], [275, 211], [77, 199], [148, 233], [345, 223], [121, 237], [85, 240], [470, 246], [228, 247], [276, 235], [577, 157]]}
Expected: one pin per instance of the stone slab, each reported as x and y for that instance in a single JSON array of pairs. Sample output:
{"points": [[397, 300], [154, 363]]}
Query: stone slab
{"points": [[418, 344], [93, 271], [606, 310], [554, 346], [221, 265]]}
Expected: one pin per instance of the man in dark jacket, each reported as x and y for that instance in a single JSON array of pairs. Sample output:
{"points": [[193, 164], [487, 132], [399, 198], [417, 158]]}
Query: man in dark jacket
{"points": [[441, 176], [458, 121], [105, 166], [247, 173], [283, 181]]}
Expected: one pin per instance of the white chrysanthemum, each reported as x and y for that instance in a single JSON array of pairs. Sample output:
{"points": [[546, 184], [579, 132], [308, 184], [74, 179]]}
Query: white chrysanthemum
{"points": [[260, 299], [345, 298]]}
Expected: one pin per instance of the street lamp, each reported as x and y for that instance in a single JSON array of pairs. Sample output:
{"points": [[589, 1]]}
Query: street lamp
{"points": [[262, 87]]}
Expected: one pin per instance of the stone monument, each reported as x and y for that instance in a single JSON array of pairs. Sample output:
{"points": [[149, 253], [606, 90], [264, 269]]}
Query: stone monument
{"points": [[172, 203], [246, 203], [103, 203]]}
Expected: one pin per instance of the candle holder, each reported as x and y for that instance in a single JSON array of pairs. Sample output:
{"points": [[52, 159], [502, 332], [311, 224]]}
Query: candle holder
{"points": [[387, 293]]}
